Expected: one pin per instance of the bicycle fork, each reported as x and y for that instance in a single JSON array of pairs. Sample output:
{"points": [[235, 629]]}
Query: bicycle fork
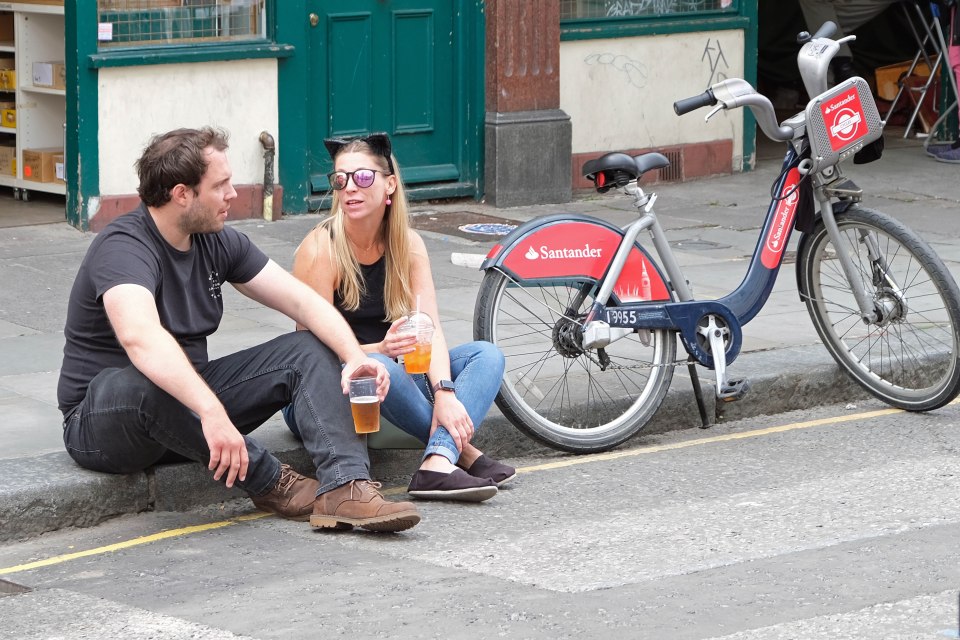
{"points": [[845, 188]]}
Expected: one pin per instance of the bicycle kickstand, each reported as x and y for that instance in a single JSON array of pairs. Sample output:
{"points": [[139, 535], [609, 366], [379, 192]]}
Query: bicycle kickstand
{"points": [[727, 390]]}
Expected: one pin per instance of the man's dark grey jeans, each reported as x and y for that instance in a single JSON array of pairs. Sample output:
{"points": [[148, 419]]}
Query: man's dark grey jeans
{"points": [[126, 423]]}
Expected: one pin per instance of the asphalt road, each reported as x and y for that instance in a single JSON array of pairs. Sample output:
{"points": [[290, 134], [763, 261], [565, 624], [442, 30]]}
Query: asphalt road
{"points": [[836, 523]]}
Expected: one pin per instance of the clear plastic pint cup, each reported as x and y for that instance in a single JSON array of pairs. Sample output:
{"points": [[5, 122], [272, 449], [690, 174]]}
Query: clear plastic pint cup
{"points": [[365, 405], [421, 326]]}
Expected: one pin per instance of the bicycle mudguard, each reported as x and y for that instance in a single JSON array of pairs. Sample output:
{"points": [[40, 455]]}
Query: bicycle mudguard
{"points": [[569, 246]]}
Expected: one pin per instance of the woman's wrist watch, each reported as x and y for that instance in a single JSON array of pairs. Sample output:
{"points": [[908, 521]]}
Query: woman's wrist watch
{"points": [[444, 385]]}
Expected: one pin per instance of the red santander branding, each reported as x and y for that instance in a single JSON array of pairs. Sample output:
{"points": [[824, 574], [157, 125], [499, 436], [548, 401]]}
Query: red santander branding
{"points": [[786, 211], [843, 117], [581, 249], [570, 248]]}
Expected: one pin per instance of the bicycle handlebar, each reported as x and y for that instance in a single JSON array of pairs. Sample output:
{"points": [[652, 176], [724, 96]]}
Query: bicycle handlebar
{"points": [[826, 31], [733, 93], [686, 105]]}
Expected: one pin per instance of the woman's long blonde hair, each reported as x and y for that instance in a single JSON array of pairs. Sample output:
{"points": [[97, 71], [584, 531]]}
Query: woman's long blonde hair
{"points": [[393, 234]]}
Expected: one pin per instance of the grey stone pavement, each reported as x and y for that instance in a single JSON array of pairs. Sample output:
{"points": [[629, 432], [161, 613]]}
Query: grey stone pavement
{"points": [[713, 224]]}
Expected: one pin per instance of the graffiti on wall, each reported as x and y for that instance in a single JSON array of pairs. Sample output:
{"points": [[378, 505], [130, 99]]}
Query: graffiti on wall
{"points": [[713, 54], [621, 8], [634, 70]]}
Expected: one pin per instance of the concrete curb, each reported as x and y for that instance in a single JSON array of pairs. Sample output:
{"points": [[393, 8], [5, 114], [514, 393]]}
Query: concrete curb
{"points": [[51, 492]]}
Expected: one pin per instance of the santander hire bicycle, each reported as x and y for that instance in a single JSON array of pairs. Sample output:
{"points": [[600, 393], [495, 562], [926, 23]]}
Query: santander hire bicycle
{"points": [[588, 319]]}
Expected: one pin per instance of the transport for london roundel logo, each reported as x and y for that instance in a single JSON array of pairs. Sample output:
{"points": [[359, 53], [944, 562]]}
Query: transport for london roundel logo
{"points": [[844, 120]]}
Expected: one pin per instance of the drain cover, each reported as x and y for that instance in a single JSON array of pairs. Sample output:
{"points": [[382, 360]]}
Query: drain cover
{"points": [[465, 224], [488, 228], [8, 588]]}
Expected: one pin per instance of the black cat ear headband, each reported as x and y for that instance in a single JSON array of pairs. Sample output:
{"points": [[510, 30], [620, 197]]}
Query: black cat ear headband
{"points": [[378, 142]]}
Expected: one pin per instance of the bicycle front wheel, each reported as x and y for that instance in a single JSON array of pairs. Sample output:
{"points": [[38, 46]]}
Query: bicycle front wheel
{"points": [[907, 357], [554, 390]]}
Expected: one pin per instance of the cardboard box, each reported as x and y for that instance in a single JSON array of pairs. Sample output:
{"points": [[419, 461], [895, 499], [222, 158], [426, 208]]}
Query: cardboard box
{"points": [[8, 120], [8, 160], [888, 77], [50, 75], [38, 164], [59, 169], [8, 79], [6, 28]]}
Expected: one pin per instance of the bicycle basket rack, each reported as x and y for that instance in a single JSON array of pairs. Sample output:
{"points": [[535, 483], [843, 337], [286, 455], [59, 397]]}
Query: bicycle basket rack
{"points": [[841, 121]]}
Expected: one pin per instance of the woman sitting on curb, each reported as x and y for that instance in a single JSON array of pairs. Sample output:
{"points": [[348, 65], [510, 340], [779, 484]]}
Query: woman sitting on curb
{"points": [[374, 268]]}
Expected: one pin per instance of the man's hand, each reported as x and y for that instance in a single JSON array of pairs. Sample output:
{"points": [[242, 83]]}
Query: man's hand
{"points": [[362, 368], [228, 450]]}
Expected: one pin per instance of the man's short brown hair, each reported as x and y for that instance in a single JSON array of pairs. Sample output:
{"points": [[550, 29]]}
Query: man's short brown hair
{"points": [[175, 157]]}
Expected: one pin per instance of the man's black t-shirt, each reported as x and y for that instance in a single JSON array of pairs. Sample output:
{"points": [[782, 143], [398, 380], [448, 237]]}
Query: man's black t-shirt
{"points": [[185, 285]]}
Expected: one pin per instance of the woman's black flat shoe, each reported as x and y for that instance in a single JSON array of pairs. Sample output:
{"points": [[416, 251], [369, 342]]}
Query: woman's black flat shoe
{"points": [[456, 485], [484, 467]]}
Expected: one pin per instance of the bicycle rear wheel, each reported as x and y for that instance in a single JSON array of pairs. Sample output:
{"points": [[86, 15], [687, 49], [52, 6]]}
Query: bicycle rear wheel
{"points": [[909, 357], [555, 391]]}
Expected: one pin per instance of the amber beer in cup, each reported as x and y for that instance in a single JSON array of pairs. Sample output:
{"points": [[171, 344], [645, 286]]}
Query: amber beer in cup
{"points": [[365, 405], [418, 360]]}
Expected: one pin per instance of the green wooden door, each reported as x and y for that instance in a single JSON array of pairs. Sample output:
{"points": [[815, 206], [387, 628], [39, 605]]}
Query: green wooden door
{"points": [[412, 68]]}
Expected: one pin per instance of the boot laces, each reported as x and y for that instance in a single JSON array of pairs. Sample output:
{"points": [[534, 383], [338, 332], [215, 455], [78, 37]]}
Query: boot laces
{"points": [[365, 486], [287, 477]]}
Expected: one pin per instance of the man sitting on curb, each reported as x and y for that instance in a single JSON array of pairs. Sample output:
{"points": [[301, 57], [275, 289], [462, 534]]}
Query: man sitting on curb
{"points": [[136, 381]]}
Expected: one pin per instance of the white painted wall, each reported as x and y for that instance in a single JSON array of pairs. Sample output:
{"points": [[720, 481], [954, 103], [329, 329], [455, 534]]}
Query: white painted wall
{"points": [[619, 93], [139, 102]]}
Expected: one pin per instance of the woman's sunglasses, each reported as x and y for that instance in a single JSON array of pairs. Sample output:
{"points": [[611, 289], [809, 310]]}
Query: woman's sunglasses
{"points": [[363, 178]]}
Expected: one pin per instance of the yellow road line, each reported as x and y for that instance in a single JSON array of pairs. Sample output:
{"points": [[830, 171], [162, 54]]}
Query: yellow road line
{"points": [[163, 535], [578, 460], [615, 455]]}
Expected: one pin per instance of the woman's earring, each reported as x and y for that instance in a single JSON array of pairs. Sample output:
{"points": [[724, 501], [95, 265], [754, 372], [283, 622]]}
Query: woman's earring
{"points": [[389, 201]]}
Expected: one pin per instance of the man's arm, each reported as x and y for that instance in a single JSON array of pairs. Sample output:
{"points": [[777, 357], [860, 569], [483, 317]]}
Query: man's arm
{"points": [[133, 315], [277, 289]]}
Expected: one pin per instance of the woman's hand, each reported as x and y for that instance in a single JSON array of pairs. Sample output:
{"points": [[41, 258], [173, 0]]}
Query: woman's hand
{"points": [[394, 344], [450, 412]]}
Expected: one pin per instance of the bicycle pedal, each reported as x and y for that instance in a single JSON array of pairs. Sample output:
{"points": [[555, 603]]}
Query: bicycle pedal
{"points": [[733, 390]]}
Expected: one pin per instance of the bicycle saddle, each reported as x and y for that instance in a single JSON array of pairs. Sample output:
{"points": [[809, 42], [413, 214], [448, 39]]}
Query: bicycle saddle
{"points": [[618, 169]]}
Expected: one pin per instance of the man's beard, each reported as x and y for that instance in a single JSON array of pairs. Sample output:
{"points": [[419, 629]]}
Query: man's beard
{"points": [[199, 219]]}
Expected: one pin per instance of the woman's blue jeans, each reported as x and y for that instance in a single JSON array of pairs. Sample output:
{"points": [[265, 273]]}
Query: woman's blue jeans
{"points": [[476, 368]]}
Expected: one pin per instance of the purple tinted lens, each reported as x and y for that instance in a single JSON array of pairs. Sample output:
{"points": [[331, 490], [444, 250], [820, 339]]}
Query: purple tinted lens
{"points": [[363, 178], [338, 180]]}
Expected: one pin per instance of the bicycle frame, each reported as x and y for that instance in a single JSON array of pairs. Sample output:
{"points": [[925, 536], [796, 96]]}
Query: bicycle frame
{"points": [[660, 312]]}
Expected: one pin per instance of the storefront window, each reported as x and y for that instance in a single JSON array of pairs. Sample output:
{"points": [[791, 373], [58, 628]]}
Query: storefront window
{"points": [[138, 23], [579, 9]]}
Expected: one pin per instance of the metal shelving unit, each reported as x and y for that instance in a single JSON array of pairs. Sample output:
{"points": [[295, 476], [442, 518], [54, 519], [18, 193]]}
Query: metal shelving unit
{"points": [[41, 111]]}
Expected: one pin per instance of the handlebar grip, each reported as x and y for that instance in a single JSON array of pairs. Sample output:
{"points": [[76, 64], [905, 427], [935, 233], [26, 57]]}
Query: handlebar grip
{"points": [[828, 29], [687, 105]]}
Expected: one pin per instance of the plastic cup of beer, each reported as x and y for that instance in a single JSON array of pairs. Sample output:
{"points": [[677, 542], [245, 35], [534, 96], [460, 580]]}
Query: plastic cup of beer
{"points": [[365, 405], [421, 326]]}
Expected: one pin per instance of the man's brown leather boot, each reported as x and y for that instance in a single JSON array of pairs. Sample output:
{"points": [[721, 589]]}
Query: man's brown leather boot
{"points": [[359, 504], [292, 497]]}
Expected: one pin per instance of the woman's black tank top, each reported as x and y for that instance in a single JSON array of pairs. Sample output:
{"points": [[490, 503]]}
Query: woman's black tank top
{"points": [[368, 321]]}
